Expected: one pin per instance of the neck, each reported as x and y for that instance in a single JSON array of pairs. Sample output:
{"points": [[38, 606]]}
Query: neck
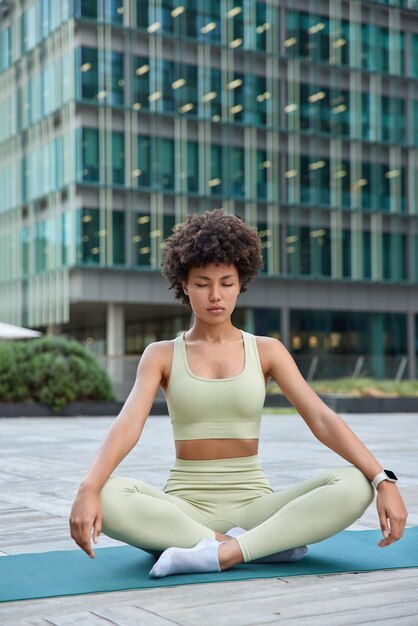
{"points": [[212, 333]]}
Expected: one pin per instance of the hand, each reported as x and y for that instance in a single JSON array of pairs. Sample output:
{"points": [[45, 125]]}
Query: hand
{"points": [[392, 512], [86, 515]]}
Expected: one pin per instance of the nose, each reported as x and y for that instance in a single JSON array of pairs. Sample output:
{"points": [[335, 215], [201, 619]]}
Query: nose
{"points": [[214, 295]]}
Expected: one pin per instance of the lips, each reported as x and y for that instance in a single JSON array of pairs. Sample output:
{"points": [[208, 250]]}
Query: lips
{"points": [[216, 308]]}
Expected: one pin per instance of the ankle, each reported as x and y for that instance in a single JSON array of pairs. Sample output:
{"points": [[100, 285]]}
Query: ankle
{"points": [[220, 537], [229, 554]]}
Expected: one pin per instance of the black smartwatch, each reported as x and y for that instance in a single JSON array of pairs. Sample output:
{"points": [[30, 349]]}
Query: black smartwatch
{"points": [[385, 475]]}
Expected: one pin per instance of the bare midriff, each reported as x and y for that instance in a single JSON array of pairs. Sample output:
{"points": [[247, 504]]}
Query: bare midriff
{"points": [[210, 449]]}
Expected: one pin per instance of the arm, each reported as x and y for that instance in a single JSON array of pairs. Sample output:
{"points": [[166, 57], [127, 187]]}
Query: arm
{"points": [[119, 441], [333, 432]]}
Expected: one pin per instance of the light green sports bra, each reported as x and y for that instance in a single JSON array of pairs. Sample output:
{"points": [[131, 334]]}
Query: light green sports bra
{"points": [[220, 408]]}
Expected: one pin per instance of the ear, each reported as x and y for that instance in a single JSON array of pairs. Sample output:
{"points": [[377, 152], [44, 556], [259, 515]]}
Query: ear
{"points": [[183, 284]]}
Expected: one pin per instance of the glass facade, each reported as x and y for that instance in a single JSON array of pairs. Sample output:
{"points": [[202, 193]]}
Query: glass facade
{"points": [[119, 117]]}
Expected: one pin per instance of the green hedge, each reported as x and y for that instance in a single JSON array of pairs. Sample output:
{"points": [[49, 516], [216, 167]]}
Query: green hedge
{"points": [[51, 371], [362, 387]]}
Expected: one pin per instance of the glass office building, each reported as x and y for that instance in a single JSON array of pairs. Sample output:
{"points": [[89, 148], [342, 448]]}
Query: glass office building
{"points": [[120, 117]]}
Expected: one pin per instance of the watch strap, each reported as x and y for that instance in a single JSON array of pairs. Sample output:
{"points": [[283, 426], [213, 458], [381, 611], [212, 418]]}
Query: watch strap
{"points": [[380, 477]]}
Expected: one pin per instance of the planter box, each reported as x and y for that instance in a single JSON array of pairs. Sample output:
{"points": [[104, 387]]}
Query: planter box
{"points": [[339, 404], [74, 409], [347, 404]]}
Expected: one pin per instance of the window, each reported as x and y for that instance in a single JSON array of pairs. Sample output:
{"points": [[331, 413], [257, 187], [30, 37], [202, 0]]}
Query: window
{"points": [[236, 100], [169, 101], [307, 35], [168, 225], [141, 89], [118, 158], [298, 250], [208, 21], [213, 97], [367, 254], [393, 119], [165, 166], [414, 122], [375, 48], [65, 230], [186, 95], [142, 240], [394, 256], [90, 166], [25, 240], [86, 8], [263, 166], [5, 48], [114, 11], [315, 108], [88, 69], [366, 118], [192, 166], [257, 99], [265, 237], [118, 237], [262, 26], [117, 79], [413, 57], [346, 253], [320, 244], [315, 180], [41, 245], [88, 236], [342, 181], [143, 173], [215, 182], [237, 171], [142, 14]]}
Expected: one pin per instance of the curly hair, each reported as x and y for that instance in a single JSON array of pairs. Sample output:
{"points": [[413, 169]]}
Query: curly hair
{"points": [[211, 237]]}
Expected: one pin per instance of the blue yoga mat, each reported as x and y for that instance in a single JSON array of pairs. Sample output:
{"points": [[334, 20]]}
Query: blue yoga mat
{"points": [[71, 572]]}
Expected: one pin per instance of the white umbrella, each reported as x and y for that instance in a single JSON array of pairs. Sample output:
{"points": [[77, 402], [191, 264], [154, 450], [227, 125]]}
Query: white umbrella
{"points": [[9, 331]]}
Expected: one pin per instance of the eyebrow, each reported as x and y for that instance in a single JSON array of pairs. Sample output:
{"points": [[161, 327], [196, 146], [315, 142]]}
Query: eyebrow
{"points": [[222, 277]]}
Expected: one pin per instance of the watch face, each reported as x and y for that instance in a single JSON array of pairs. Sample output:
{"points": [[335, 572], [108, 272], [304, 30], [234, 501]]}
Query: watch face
{"points": [[390, 474]]}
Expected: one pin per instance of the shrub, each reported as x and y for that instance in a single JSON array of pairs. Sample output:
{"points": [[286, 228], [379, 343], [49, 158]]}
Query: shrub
{"points": [[52, 371]]}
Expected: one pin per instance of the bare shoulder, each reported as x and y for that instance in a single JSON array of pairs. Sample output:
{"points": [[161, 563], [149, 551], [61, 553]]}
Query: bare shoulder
{"points": [[271, 352], [156, 360], [161, 351], [269, 345], [159, 347]]}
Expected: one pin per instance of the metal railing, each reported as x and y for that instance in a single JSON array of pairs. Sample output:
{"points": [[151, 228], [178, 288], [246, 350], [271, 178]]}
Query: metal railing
{"points": [[331, 367], [122, 370]]}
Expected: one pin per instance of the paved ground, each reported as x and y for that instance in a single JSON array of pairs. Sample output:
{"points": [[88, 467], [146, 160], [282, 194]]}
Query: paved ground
{"points": [[43, 460]]}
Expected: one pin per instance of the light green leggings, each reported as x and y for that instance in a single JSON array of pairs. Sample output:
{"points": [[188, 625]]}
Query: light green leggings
{"points": [[202, 497]]}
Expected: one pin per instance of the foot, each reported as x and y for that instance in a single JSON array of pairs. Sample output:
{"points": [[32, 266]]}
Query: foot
{"points": [[202, 558], [286, 556]]}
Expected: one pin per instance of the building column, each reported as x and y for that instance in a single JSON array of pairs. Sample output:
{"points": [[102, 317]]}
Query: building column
{"points": [[115, 347], [285, 326], [249, 320], [411, 340], [377, 346], [53, 330], [115, 330]]}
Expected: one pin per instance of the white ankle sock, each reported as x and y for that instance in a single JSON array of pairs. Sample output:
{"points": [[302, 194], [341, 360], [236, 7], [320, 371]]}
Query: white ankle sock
{"points": [[202, 558], [294, 554]]}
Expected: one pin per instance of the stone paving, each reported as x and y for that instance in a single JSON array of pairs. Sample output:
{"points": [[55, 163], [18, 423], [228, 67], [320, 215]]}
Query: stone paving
{"points": [[42, 461]]}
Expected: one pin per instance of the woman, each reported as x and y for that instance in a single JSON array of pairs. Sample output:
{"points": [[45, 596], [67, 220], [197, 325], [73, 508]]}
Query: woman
{"points": [[217, 508]]}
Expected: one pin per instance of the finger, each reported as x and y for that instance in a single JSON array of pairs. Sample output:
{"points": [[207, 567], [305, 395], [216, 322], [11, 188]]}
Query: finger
{"points": [[85, 544], [97, 529], [85, 540], [396, 532], [384, 524]]}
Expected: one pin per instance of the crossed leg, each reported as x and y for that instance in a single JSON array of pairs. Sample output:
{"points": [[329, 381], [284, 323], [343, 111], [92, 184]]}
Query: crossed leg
{"points": [[148, 518]]}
